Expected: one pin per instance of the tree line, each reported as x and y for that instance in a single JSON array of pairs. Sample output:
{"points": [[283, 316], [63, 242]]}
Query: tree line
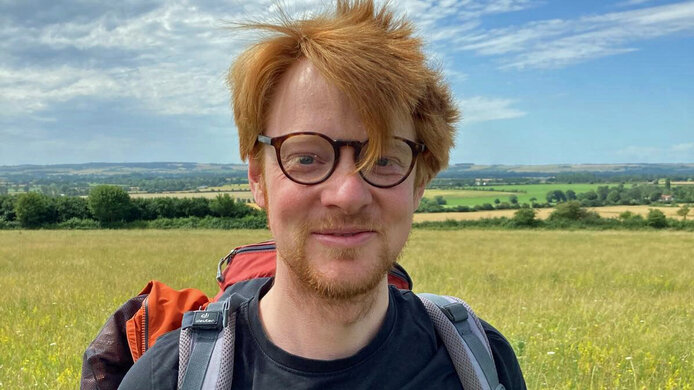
{"points": [[112, 206], [570, 215], [639, 194]]}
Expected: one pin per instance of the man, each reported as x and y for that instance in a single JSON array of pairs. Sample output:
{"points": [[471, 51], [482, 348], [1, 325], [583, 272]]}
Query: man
{"points": [[343, 125]]}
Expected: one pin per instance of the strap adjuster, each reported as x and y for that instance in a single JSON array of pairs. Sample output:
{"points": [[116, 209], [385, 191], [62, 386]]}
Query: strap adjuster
{"points": [[456, 312]]}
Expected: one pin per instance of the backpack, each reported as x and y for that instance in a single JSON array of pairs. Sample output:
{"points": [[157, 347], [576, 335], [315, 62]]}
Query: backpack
{"points": [[207, 327]]}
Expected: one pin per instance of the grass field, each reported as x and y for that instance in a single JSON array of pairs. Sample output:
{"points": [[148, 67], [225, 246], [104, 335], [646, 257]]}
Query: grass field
{"points": [[523, 192], [584, 310]]}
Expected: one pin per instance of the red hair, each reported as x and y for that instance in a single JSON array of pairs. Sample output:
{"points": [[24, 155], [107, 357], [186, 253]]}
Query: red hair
{"points": [[371, 56]]}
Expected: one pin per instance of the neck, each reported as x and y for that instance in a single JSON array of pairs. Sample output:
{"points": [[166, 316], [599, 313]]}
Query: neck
{"points": [[304, 324]]}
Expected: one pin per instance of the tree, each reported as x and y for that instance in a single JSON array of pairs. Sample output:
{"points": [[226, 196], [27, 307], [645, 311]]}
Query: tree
{"points": [[68, 207], [656, 219], [497, 201], [34, 209], [683, 211], [525, 217], [556, 196], [570, 195], [571, 210], [513, 199], [7, 207], [667, 183], [109, 203], [439, 199], [226, 206], [613, 197]]}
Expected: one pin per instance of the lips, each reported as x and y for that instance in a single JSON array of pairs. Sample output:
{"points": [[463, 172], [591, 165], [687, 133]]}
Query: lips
{"points": [[345, 238]]}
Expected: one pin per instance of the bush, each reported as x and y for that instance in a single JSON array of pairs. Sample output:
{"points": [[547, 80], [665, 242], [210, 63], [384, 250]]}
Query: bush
{"points": [[656, 219], [572, 211], [7, 206], [79, 224], [5, 224], [227, 207], [524, 217], [34, 209], [109, 204], [72, 207]]}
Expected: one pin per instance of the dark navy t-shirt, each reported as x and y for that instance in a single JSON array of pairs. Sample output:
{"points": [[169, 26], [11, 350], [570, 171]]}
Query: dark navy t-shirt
{"points": [[405, 354]]}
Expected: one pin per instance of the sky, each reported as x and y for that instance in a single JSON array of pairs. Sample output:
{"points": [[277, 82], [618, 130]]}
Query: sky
{"points": [[537, 82]]}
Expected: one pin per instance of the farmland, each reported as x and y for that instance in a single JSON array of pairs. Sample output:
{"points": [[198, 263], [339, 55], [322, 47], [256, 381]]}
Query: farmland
{"points": [[524, 193], [604, 212], [582, 309]]}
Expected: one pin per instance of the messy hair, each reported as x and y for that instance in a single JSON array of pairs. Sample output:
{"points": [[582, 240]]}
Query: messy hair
{"points": [[367, 53]]}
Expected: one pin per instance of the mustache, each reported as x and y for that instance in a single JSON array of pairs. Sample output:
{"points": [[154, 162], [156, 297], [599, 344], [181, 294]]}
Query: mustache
{"points": [[337, 221]]}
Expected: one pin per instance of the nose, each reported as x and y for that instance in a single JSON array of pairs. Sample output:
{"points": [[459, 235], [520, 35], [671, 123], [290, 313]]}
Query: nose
{"points": [[346, 189]]}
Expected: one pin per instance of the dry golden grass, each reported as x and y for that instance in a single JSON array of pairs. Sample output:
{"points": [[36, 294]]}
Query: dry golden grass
{"points": [[582, 309]]}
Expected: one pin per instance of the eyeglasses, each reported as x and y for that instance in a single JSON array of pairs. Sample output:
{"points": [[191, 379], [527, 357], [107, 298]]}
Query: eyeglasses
{"points": [[310, 158]]}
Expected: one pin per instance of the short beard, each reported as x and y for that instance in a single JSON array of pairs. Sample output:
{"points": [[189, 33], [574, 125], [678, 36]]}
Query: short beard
{"points": [[312, 281]]}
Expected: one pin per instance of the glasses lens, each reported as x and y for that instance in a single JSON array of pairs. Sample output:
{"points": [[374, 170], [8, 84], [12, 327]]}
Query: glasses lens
{"points": [[307, 158], [392, 166]]}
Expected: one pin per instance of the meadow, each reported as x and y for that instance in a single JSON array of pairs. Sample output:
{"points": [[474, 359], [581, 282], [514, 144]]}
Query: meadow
{"points": [[583, 309], [502, 192]]}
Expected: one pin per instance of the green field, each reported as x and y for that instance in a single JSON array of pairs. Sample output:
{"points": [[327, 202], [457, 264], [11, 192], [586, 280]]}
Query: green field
{"points": [[584, 310], [502, 192]]}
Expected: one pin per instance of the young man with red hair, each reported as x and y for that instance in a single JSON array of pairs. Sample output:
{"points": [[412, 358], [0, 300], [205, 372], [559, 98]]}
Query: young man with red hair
{"points": [[343, 124]]}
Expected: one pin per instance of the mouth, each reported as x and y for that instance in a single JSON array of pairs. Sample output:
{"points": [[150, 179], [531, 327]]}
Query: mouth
{"points": [[344, 237]]}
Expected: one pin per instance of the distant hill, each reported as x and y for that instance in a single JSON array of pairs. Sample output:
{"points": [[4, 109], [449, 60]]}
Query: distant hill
{"points": [[163, 169], [599, 170], [190, 169]]}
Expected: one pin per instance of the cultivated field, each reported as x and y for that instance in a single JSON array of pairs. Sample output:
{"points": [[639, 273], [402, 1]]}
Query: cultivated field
{"points": [[502, 192], [605, 212], [584, 310]]}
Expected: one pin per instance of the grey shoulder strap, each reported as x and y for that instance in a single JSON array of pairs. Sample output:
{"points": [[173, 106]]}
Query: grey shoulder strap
{"points": [[206, 347], [465, 341]]}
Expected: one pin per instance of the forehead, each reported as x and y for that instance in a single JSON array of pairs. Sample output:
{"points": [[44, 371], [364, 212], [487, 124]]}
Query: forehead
{"points": [[304, 100]]}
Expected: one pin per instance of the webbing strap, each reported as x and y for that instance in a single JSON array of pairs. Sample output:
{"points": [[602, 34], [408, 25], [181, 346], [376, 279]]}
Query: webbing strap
{"points": [[206, 345], [458, 315], [203, 345]]}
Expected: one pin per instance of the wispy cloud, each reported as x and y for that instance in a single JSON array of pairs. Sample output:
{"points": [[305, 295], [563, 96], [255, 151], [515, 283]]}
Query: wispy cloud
{"points": [[560, 42], [482, 109], [631, 3]]}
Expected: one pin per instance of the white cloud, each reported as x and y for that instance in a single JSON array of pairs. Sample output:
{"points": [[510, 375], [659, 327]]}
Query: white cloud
{"points": [[558, 42], [170, 58], [481, 109]]}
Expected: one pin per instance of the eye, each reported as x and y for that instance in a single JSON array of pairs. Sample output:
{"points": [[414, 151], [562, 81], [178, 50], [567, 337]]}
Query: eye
{"points": [[306, 160], [388, 162]]}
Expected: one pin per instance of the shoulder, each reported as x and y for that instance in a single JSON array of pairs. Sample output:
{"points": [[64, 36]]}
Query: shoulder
{"points": [[157, 368], [505, 360]]}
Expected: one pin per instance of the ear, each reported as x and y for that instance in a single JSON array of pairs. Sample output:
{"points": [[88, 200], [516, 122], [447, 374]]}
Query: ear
{"points": [[418, 194], [256, 181]]}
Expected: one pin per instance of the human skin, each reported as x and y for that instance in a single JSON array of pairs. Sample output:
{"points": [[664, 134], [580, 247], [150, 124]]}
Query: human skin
{"points": [[341, 235]]}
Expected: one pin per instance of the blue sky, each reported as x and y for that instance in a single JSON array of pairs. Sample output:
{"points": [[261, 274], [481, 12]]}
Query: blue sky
{"points": [[538, 82]]}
